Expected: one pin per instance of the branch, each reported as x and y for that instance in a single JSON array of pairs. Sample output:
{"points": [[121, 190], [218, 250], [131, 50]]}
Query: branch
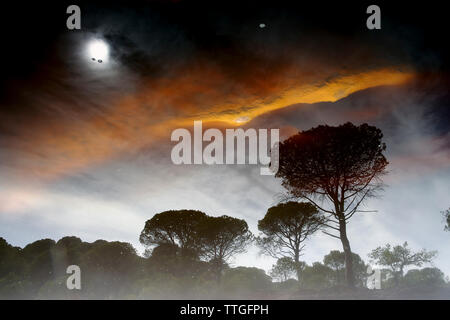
{"points": [[328, 226], [352, 212], [327, 211], [331, 235]]}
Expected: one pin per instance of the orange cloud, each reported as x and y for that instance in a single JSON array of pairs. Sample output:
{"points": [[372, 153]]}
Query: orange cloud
{"points": [[198, 92]]}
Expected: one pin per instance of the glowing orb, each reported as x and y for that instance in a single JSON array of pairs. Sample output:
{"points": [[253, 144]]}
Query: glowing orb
{"points": [[98, 50]]}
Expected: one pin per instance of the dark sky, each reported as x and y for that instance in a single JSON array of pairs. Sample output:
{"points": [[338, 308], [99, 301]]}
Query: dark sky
{"points": [[30, 32]]}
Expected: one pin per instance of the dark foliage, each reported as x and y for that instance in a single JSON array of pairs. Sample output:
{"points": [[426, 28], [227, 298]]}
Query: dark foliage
{"points": [[336, 169]]}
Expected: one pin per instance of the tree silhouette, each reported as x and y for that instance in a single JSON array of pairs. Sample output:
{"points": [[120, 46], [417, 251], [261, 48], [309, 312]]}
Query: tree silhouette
{"points": [[245, 280], [165, 250], [430, 277], [398, 257], [222, 237], [317, 276], [336, 169], [108, 267], [285, 227], [177, 227], [285, 268], [9, 258], [336, 261], [39, 267]]}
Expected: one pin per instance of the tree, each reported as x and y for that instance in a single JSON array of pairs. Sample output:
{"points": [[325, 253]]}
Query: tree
{"points": [[108, 268], [9, 258], [243, 282], [446, 215], [285, 227], [426, 277], [177, 227], [317, 276], [39, 262], [68, 251], [222, 237], [336, 169], [398, 257], [285, 269], [336, 261], [164, 251]]}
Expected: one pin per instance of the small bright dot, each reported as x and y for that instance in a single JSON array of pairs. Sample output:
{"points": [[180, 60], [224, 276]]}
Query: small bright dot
{"points": [[262, 25], [98, 50]]}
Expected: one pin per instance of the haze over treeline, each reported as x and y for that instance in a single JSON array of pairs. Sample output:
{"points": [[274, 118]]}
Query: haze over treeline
{"points": [[113, 270]]}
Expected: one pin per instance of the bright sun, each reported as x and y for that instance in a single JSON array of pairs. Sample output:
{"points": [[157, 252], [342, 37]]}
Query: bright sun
{"points": [[98, 50]]}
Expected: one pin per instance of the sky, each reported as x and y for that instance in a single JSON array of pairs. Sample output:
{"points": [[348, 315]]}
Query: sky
{"points": [[85, 146]]}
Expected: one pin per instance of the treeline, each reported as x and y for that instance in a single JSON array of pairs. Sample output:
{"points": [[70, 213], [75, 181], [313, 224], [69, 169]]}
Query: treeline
{"points": [[188, 255]]}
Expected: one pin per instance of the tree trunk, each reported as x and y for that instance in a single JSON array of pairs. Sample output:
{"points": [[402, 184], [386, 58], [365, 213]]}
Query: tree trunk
{"points": [[338, 277], [297, 266], [348, 254], [398, 275], [218, 268]]}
